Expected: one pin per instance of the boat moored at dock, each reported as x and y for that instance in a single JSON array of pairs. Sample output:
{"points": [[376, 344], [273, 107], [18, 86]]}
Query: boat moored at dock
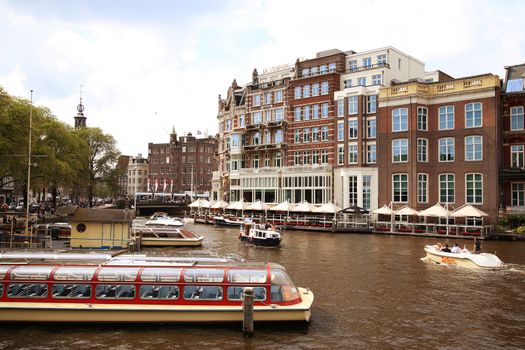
{"points": [[468, 260], [260, 234], [54, 287]]}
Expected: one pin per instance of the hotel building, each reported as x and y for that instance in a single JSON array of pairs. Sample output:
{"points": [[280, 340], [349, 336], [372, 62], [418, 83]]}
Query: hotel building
{"points": [[137, 174], [440, 143]]}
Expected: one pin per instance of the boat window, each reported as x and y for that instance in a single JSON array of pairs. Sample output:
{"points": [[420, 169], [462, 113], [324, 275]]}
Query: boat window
{"points": [[159, 292], [71, 291], [3, 270], [202, 293], [27, 290], [1, 290], [34, 273], [282, 288], [150, 274], [115, 291], [204, 275], [118, 274], [246, 276], [74, 273], [236, 293]]}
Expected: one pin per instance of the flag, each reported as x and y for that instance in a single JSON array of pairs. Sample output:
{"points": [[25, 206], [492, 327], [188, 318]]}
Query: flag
{"points": [[165, 185], [148, 185], [171, 185], [156, 184]]}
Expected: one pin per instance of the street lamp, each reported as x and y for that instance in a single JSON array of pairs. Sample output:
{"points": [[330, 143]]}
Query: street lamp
{"points": [[29, 169]]}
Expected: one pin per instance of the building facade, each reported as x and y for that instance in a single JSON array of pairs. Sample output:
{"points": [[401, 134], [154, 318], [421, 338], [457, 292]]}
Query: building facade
{"points": [[137, 173], [512, 174], [184, 165], [307, 131], [439, 143]]}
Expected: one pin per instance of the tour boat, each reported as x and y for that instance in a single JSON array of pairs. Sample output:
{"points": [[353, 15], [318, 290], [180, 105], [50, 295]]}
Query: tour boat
{"points": [[468, 260], [226, 221], [260, 234], [74, 287], [166, 237]]}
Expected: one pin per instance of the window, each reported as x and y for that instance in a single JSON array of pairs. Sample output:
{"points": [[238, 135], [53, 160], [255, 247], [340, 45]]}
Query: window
{"points": [[236, 293], [340, 108], [400, 119], [256, 140], [352, 190], [340, 154], [422, 118], [422, 188], [315, 89], [158, 292], [324, 156], [352, 65], [255, 161], [371, 104], [340, 131], [400, 150], [353, 107], [348, 83], [474, 188], [297, 136], [315, 111], [202, 293], [446, 118], [324, 88], [371, 154], [296, 158], [446, 149], [371, 128], [376, 79], [473, 117], [473, 148], [297, 92], [256, 118], [400, 188], [324, 133], [297, 114], [322, 69], [279, 136], [516, 118], [324, 110], [367, 190], [257, 100], [422, 150], [277, 160], [446, 188], [306, 72], [267, 116], [516, 156], [367, 62], [241, 120], [381, 59], [279, 114], [268, 98], [315, 157], [306, 91], [352, 128], [27, 290], [361, 81], [332, 67], [278, 97], [315, 134], [518, 194], [313, 71], [352, 154], [267, 137], [306, 113], [115, 291], [306, 135], [306, 157]]}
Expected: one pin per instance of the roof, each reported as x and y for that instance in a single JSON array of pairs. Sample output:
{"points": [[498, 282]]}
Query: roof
{"points": [[468, 211], [102, 215]]}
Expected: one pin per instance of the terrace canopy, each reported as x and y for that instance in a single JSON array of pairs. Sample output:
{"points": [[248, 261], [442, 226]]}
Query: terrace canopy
{"points": [[437, 210], [329, 208], [283, 206], [384, 210], [219, 205], [304, 207], [406, 210], [200, 203], [240, 205], [258, 205], [468, 211]]}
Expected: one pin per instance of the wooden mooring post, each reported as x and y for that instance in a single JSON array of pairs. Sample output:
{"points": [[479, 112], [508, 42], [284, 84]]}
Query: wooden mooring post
{"points": [[247, 310]]}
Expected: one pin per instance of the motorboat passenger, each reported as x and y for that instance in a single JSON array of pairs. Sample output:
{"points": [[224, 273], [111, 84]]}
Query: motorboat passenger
{"points": [[446, 249], [438, 246], [477, 246], [465, 249], [455, 249]]}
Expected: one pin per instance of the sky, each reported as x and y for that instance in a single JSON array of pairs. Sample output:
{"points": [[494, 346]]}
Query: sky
{"points": [[146, 66]]}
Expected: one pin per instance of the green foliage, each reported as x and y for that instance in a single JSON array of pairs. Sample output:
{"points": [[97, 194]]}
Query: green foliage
{"points": [[520, 230], [512, 220]]}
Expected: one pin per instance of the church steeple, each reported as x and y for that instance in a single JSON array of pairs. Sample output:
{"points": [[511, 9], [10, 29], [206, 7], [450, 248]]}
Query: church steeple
{"points": [[80, 119]]}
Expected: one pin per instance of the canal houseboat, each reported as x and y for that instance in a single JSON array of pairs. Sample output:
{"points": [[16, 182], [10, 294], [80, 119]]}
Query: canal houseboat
{"points": [[227, 220], [469, 260], [53, 287], [260, 234]]}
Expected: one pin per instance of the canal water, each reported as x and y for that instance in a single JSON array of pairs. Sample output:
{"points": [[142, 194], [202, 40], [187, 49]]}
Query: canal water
{"points": [[371, 292]]}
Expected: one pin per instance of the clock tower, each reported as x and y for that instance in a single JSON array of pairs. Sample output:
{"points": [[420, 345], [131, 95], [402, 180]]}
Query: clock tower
{"points": [[80, 119]]}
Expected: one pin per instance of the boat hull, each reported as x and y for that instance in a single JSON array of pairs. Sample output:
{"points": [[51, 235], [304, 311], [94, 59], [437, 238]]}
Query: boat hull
{"points": [[267, 242], [171, 242], [471, 261], [136, 313], [222, 222]]}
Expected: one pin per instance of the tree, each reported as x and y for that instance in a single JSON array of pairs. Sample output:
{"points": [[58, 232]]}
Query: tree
{"points": [[98, 156]]}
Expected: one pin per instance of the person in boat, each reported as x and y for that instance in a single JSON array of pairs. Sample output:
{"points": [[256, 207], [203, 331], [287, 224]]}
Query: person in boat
{"points": [[438, 246], [477, 246], [455, 249], [446, 249], [465, 249]]}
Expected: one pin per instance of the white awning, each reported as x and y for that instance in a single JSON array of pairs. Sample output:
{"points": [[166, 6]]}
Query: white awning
{"points": [[219, 205], [468, 211], [436, 210], [200, 203], [406, 210], [304, 207], [240, 205], [327, 208], [284, 206], [384, 210], [258, 205]]}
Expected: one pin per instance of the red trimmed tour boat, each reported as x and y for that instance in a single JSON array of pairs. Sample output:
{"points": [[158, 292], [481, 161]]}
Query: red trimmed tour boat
{"points": [[80, 287]]}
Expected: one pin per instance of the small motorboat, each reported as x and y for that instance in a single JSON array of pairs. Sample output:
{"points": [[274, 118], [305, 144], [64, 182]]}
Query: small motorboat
{"points": [[260, 235], [469, 260], [162, 219], [226, 220]]}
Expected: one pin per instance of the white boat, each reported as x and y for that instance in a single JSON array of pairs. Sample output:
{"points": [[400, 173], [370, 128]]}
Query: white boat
{"points": [[227, 220], [163, 220], [260, 234], [468, 260], [166, 237]]}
